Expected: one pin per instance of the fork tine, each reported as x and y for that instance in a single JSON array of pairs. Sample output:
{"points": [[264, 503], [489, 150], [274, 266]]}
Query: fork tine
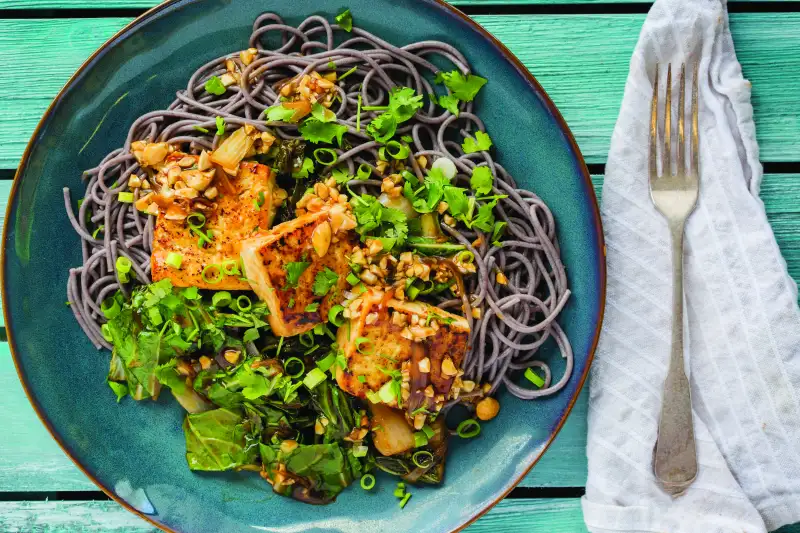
{"points": [[654, 130], [681, 112], [695, 170], [666, 168]]}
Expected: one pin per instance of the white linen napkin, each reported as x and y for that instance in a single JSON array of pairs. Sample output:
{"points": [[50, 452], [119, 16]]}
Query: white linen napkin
{"points": [[743, 322]]}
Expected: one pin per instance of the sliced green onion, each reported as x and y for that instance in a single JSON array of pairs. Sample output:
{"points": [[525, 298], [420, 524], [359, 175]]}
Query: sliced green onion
{"points": [[420, 439], [534, 378], [196, 220], [386, 392], [295, 374], [362, 341], [373, 397], [326, 362], [154, 316], [364, 171], [97, 231], [360, 451], [123, 264], [468, 429], [126, 197], [174, 260], [110, 308], [422, 458], [106, 331], [221, 299], [412, 292], [326, 156], [429, 432], [361, 379], [230, 267], [343, 76], [382, 154], [208, 270], [397, 150], [335, 315], [405, 499], [244, 303], [306, 339], [466, 257], [280, 345], [352, 279], [360, 288], [314, 377], [358, 115], [367, 481], [400, 491]]}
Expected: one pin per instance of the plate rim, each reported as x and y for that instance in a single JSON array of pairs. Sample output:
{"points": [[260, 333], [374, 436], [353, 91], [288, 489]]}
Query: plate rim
{"points": [[506, 53]]}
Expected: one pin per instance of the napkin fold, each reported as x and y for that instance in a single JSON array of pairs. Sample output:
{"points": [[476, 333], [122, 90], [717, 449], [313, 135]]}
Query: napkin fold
{"points": [[742, 319]]}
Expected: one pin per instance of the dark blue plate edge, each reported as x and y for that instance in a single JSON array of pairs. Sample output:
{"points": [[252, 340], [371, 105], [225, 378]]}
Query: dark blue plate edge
{"points": [[452, 12]]}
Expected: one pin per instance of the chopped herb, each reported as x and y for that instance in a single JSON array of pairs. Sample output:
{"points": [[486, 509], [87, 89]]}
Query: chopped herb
{"points": [[485, 219], [345, 20], [324, 281], [250, 335], [499, 230], [362, 379], [305, 170], [294, 271], [482, 181], [311, 308], [220, 126], [215, 86], [463, 87], [200, 129], [291, 302], [343, 76], [331, 65], [259, 201], [534, 378], [279, 114], [481, 143], [450, 102], [376, 220]]}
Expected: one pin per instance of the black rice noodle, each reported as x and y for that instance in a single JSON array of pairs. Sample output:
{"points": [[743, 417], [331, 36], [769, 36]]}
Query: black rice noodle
{"points": [[515, 318]]}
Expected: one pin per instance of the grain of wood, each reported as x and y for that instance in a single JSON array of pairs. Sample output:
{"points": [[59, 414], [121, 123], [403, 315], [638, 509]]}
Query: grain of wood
{"points": [[581, 60], [111, 4], [510, 516]]}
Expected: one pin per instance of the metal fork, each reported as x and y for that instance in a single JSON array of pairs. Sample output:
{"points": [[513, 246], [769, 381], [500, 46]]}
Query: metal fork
{"points": [[675, 196]]}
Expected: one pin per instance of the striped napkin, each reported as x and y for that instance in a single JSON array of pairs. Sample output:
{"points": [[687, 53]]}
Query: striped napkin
{"points": [[743, 322]]}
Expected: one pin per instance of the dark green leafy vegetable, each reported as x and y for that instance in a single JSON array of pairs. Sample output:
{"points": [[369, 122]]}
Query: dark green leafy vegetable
{"points": [[337, 407], [222, 439]]}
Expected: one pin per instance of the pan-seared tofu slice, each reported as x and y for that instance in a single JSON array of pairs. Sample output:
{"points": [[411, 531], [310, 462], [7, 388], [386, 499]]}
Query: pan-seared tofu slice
{"points": [[271, 260], [231, 218], [383, 335]]}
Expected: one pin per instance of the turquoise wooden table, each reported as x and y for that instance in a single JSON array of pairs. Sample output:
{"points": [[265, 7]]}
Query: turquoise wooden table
{"points": [[578, 49]]}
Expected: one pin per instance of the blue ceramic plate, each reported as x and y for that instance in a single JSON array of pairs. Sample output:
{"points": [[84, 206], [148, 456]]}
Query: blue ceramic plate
{"points": [[135, 451]]}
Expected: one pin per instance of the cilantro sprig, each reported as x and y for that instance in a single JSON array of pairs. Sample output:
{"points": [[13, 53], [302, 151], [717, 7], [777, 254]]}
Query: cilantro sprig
{"points": [[375, 220], [404, 102], [464, 88]]}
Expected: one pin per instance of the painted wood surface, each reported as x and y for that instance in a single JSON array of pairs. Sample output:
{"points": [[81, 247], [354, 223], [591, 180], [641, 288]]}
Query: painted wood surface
{"points": [[581, 60], [510, 516], [111, 4]]}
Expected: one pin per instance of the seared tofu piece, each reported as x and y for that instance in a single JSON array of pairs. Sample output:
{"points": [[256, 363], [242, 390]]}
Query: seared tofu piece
{"points": [[230, 219], [266, 258], [383, 335]]}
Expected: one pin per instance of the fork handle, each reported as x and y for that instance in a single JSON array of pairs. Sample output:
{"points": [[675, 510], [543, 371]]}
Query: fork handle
{"points": [[675, 454]]}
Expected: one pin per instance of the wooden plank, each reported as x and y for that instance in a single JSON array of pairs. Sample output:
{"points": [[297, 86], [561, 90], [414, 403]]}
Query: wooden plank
{"points": [[116, 4], [510, 516], [581, 60]]}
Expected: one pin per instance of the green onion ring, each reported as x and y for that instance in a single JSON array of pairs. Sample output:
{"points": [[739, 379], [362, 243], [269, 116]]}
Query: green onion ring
{"points": [[422, 459], [364, 171], [468, 429], [196, 225], [466, 257], [326, 156], [230, 267], [335, 315], [397, 150], [123, 264], [306, 339], [292, 360], [367, 481], [221, 299], [241, 301], [212, 281], [110, 308]]}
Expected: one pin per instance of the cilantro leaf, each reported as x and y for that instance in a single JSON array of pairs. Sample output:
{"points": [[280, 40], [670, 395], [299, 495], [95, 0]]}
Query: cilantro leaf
{"points": [[250, 335], [383, 127], [220, 126], [463, 87], [316, 131], [294, 271], [450, 102], [456, 199], [324, 281], [305, 170], [279, 113], [345, 20], [404, 103], [378, 221], [214, 86], [311, 308], [120, 389], [499, 230], [341, 176], [485, 219], [482, 180], [322, 113], [481, 143], [407, 139]]}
